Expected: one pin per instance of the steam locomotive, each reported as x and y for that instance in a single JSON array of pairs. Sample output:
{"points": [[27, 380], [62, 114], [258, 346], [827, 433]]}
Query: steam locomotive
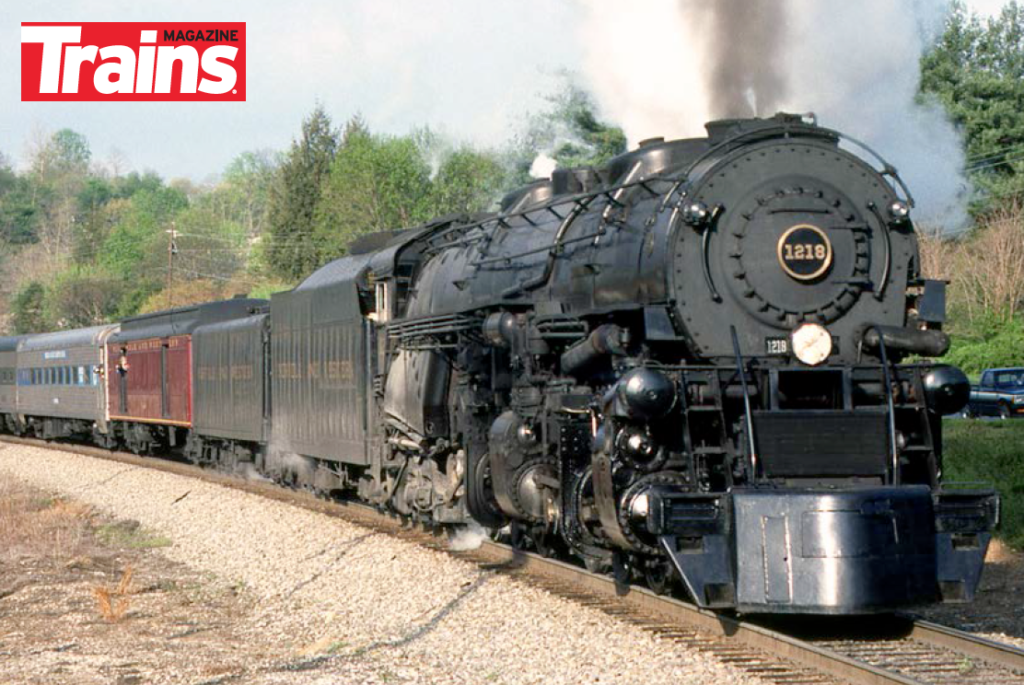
{"points": [[688, 366]]}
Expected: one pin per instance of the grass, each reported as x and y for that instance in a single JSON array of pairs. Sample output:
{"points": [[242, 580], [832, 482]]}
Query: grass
{"points": [[990, 452], [131, 535], [36, 526]]}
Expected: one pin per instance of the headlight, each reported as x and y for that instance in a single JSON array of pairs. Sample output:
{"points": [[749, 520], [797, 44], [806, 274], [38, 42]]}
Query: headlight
{"points": [[812, 343]]}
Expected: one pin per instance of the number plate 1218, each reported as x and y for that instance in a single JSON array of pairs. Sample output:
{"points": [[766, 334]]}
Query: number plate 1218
{"points": [[776, 346]]}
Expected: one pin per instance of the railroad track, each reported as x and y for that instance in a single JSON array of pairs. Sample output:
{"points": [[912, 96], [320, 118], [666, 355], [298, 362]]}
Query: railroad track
{"points": [[880, 650]]}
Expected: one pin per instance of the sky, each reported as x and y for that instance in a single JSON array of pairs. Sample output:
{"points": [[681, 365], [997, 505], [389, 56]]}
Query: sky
{"points": [[470, 69]]}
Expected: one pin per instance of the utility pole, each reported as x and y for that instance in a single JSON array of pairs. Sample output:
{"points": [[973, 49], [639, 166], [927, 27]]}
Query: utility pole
{"points": [[172, 249]]}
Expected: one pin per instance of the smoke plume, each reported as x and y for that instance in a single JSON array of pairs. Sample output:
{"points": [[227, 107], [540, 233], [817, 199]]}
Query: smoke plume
{"points": [[665, 67], [744, 43]]}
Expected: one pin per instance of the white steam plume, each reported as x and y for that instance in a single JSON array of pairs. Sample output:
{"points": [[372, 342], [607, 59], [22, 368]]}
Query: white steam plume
{"points": [[466, 538], [543, 166], [664, 67]]}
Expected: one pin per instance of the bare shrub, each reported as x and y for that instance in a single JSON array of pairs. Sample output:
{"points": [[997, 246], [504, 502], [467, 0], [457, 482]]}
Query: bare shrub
{"points": [[985, 268], [113, 603]]}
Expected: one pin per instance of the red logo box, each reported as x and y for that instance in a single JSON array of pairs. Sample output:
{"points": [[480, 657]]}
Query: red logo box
{"points": [[156, 61]]}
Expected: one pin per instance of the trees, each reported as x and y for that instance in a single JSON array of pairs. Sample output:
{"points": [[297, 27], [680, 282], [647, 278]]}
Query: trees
{"points": [[380, 183], [295, 194], [976, 70], [247, 183], [467, 181], [376, 183], [93, 242], [19, 214], [83, 296], [27, 309]]}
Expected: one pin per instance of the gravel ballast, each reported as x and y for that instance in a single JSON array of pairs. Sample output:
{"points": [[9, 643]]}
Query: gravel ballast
{"points": [[343, 604]]}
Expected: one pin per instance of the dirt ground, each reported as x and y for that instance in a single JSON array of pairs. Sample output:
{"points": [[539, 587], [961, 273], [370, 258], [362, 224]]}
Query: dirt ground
{"points": [[86, 599], [998, 609]]}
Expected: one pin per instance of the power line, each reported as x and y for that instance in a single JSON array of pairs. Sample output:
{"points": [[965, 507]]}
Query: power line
{"points": [[994, 164], [217, 277]]}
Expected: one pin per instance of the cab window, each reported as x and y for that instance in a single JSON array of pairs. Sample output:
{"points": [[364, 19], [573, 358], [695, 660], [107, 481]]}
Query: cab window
{"points": [[1009, 379]]}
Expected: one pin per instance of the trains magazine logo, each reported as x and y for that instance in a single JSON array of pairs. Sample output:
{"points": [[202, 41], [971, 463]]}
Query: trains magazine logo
{"points": [[154, 61]]}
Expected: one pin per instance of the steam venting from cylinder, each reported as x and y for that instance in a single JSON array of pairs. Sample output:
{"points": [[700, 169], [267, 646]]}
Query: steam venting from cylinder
{"points": [[665, 67]]}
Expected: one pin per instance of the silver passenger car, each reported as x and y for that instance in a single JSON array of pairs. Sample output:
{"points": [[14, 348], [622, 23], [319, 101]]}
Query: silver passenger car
{"points": [[61, 392], [8, 381]]}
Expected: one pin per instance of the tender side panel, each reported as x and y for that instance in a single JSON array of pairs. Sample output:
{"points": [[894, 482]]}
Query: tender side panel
{"points": [[319, 381], [318, 387], [230, 376]]}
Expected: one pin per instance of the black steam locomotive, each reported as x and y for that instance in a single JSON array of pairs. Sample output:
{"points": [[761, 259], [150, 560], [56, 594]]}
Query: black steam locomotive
{"points": [[683, 366]]}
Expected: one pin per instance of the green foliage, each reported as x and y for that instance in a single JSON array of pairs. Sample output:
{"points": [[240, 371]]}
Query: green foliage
{"points": [[376, 183], [95, 193], [19, 212], [125, 186], [246, 188], [211, 242], [467, 181], [987, 343], [83, 296], [266, 289], [382, 183], [27, 309], [295, 194], [131, 247], [990, 452], [68, 151], [97, 246], [976, 70]]}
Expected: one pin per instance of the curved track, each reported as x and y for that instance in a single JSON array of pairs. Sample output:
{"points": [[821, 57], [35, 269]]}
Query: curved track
{"points": [[880, 649]]}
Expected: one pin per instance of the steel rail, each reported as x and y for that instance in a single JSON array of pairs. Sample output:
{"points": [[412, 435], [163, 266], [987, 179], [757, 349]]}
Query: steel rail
{"points": [[1000, 653], [661, 613]]}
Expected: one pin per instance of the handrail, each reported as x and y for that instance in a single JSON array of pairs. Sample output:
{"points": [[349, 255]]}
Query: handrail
{"points": [[741, 367], [890, 405]]}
